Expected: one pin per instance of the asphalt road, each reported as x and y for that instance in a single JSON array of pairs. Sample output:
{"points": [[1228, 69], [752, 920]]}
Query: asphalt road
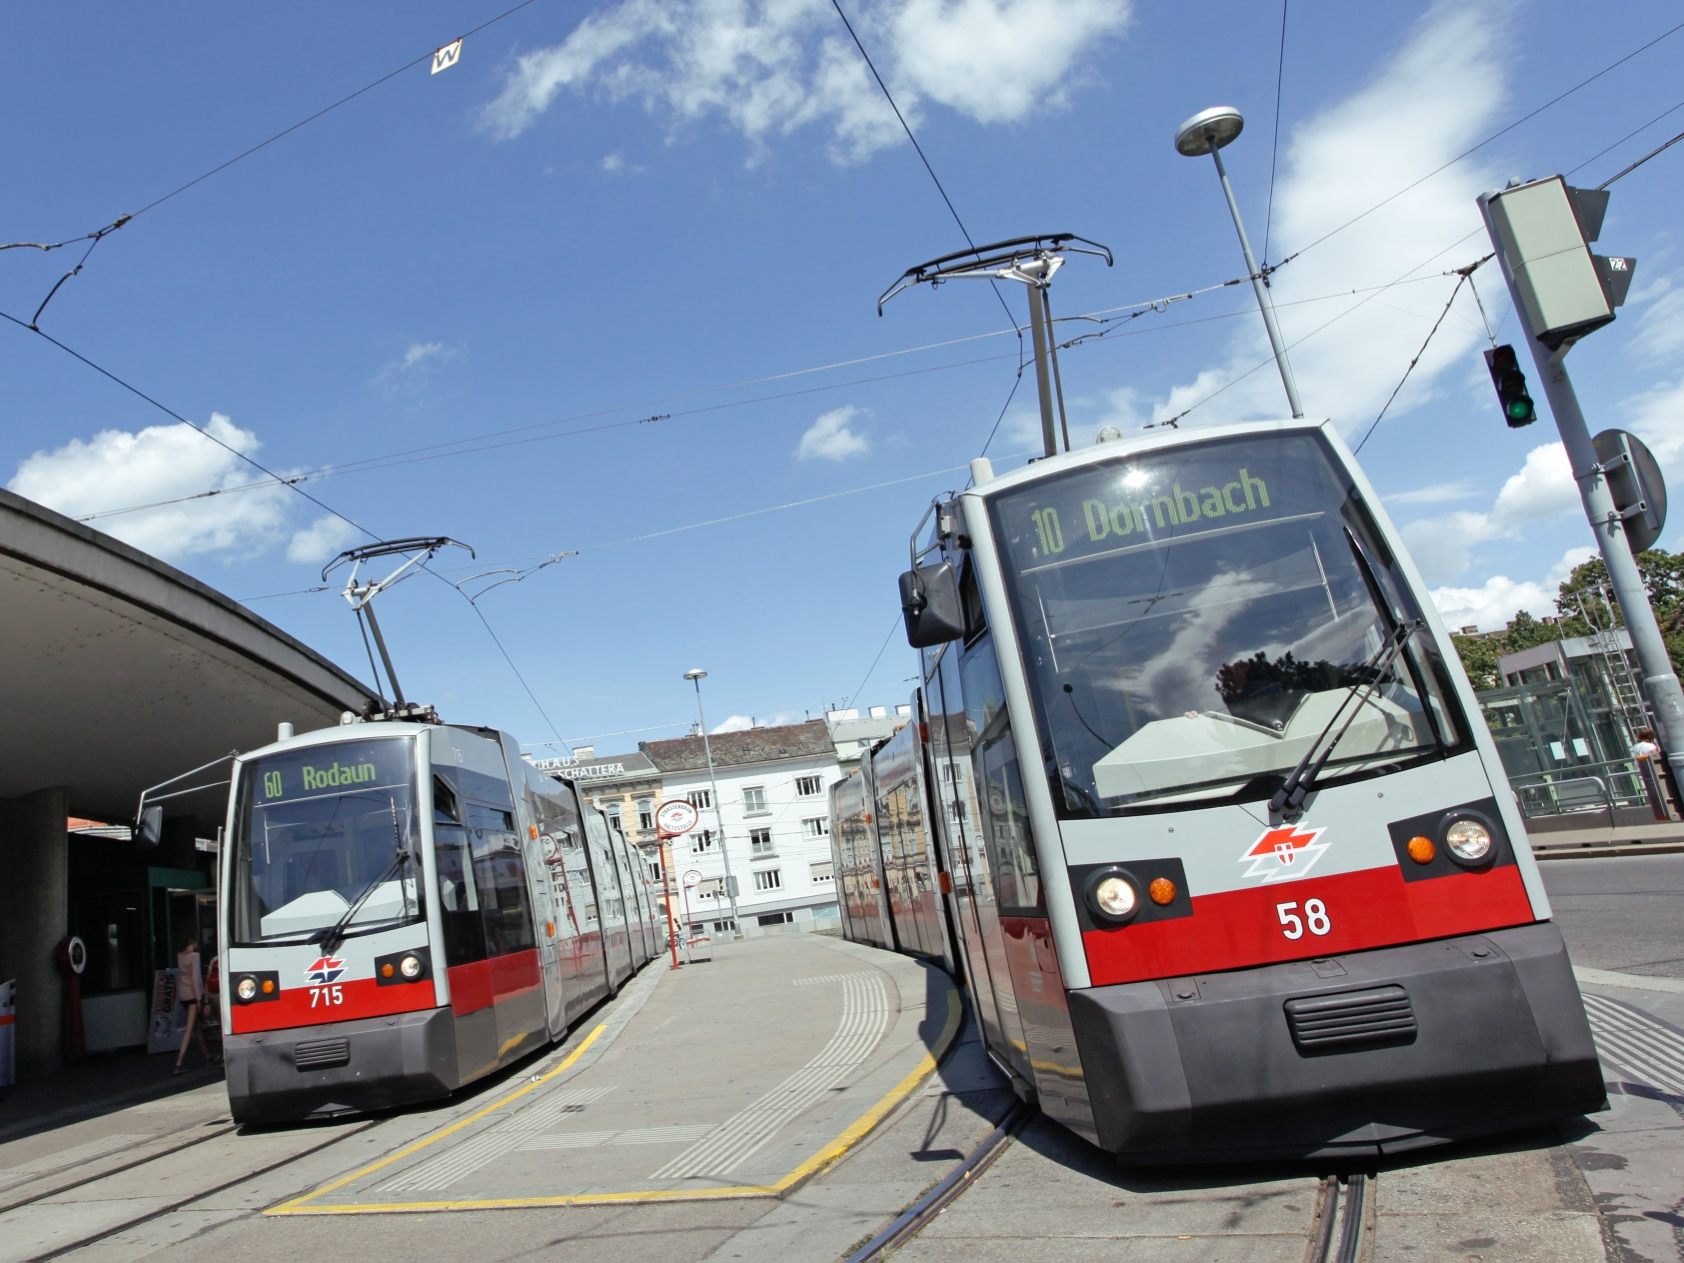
{"points": [[1624, 915]]}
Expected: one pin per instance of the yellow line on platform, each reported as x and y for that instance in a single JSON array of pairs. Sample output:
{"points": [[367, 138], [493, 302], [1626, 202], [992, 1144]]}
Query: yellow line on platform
{"points": [[293, 1207], [825, 1157]]}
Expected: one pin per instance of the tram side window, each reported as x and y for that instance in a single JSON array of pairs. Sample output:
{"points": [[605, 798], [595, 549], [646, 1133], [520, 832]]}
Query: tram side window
{"points": [[1005, 813], [445, 809], [464, 935], [500, 879]]}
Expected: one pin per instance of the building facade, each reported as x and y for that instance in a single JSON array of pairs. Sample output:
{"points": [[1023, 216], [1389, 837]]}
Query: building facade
{"points": [[770, 824]]}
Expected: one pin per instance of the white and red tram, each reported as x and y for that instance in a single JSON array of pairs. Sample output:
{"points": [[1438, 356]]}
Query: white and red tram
{"points": [[406, 907], [1226, 852]]}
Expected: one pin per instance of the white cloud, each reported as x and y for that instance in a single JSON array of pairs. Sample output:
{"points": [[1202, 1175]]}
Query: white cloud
{"points": [[1660, 328], [769, 68], [1543, 488], [418, 361], [322, 540], [1433, 493], [1434, 98], [616, 164], [742, 723], [1443, 545], [1491, 606], [116, 469], [832, 438]]}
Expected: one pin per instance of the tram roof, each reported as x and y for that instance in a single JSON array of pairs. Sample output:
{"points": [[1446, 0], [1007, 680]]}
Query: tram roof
{"points": [[1146, 441], [123, 672]]}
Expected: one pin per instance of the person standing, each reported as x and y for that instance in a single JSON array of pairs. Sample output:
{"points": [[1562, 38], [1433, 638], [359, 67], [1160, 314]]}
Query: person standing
{"points": [[190, 989]]}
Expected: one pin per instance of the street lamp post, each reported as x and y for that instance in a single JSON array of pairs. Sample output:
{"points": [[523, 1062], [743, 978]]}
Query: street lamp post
{"points": [[694, 675], [1206, 133]]}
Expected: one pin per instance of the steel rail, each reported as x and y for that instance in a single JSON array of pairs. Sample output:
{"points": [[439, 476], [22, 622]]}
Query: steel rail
{"points": [[914, 1218]]}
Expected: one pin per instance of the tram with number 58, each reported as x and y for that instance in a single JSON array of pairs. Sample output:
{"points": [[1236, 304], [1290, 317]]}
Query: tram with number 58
{"points": [[406, 907], [1213, 830]]}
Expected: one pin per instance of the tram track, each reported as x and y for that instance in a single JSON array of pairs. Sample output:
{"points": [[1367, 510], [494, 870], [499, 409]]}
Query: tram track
{"points": [[947, 1190], [188, 1140], [1338, 1232], [60, 1248], [1340, 1217]]}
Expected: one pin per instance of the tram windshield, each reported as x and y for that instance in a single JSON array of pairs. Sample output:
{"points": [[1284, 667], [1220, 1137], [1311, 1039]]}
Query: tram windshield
{"points": [[1193, 620], [321, 831]]}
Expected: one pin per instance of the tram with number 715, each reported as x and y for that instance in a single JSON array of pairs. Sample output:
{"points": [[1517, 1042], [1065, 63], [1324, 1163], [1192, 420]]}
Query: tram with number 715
{"points": [[406, 907], [1203, 811]]}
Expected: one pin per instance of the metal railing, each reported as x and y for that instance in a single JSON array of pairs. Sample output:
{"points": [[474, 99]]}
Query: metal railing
{"points": [[1598, 787]]}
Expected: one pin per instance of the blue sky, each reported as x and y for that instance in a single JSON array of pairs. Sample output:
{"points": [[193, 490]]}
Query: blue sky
{"points": [[606, 288]]}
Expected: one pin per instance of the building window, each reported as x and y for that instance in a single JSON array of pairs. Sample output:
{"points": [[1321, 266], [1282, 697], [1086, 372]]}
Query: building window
{"points": [[821, 872], [808, 786], [775, 918], [700, 798], [645, 814], [654, 870], [754, 799], [702, 841], [768, 879], [760, 844], [949, 773], [816, 827], [612, 810], [724, 927]]}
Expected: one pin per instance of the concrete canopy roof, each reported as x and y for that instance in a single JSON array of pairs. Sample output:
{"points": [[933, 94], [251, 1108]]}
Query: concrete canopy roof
{"points": [[121, 672]]}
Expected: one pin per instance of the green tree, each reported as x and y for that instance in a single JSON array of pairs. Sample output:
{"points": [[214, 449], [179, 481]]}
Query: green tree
{"points": [[1479, 656], [1586, 602]]}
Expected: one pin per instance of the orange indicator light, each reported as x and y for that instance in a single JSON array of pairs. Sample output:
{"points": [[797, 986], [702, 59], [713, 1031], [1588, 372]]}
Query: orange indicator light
{"points": [[268, 986], [1161, 891], [1421, 849], [386, 970]]}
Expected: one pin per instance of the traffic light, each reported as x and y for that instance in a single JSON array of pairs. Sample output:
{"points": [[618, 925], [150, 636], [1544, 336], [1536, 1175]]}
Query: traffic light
{"points": [[1518, 408]]}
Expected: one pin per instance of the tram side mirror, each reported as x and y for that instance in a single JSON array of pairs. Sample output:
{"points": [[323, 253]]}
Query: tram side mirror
{"points": [[149, 829], [929, 602]]}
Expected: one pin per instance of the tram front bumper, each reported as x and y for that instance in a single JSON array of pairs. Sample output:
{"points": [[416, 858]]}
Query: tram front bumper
{"points": [[343, 1067], [1354, 1055]]}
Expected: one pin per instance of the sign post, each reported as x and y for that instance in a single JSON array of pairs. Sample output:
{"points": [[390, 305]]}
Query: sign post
{"points": [[673, 818]]}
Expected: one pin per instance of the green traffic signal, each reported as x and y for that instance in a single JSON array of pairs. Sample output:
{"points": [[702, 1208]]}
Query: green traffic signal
{"points": [[1518, 408]]}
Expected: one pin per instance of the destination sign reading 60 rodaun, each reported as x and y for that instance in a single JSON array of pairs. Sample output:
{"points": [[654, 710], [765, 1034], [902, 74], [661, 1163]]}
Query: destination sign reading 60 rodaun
{"points": [[322, 771]]}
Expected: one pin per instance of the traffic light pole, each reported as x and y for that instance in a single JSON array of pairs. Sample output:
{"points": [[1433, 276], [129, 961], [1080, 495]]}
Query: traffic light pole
{"points": [[1660, 682]]}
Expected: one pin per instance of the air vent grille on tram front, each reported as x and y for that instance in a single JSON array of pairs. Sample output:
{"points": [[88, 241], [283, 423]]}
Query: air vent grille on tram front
{"points": [[1376, 1016]]}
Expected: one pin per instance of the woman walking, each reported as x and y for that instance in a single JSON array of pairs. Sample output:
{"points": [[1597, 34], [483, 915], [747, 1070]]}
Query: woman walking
{"points": [[190, 987]]}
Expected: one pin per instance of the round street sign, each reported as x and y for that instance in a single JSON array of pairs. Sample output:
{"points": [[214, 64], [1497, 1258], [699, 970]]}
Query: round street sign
{"points": [[1635, 482], [692, 878], [676, 816]]}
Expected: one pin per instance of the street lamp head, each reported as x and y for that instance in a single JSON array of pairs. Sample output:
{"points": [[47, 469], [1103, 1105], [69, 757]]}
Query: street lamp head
{"points": [[694, 673], [1208, 130]]}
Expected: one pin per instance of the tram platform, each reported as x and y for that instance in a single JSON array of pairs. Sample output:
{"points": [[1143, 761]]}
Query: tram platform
{"points": [[737, 1077]]}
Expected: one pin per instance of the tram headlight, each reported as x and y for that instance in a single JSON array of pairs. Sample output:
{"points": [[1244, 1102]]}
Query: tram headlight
{"points": [[246, 989], [398, 968], [1112, 895], [1469, 841]]}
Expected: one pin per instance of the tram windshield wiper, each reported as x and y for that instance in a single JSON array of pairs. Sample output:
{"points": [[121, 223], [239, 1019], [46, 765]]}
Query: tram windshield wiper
{"points": [[334, 935], [1288, 800]]}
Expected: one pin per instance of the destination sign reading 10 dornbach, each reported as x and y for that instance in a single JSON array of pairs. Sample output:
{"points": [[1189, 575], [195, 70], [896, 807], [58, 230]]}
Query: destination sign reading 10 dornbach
{"points": [[1151, 499]]}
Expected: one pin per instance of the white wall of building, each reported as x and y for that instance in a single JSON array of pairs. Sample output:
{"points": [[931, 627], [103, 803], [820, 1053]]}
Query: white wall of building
{"points": [[777, 819]]}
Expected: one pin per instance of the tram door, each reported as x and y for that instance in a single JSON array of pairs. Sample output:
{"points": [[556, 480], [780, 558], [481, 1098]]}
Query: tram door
{"points": [[977, 912], [549, 881]]}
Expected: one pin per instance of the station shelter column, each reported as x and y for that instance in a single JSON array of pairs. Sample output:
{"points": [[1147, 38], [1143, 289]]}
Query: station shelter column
{"points": [[34, 910]]}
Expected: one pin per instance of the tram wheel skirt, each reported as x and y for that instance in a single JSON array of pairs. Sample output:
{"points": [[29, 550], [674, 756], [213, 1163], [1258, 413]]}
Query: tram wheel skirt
{"points": [[1219, 1067], [287, 1075]]}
